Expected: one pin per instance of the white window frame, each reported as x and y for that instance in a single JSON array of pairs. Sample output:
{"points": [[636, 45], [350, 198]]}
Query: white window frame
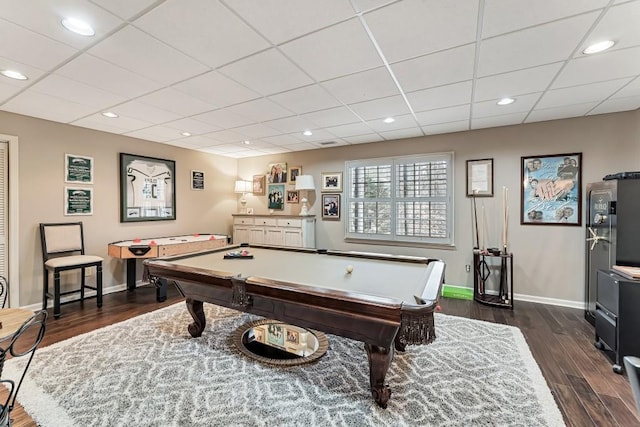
{"points": [[393, 162]]}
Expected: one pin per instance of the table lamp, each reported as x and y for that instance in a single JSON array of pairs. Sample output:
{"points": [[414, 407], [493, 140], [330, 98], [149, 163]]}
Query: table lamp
{"points": [[243, 187], [304, 183]]}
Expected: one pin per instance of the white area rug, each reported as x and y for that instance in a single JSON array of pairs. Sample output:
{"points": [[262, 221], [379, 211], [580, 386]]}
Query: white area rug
{"points": [[148, 371]]}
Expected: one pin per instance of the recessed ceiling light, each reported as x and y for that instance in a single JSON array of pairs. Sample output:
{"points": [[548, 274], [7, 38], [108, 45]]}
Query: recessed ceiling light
{"points": [[389, 120], [13, 74], [246, 142], [598, 47], [77, 26], [307, 133], [506, 101], [110, 114], [185, 133]]}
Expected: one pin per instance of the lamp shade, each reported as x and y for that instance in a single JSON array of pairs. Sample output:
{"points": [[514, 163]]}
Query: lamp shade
{"points": [[305, 182], [244, 187]]}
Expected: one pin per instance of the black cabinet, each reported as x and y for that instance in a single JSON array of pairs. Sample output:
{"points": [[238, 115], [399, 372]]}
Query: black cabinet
{"points": [[493, 279], [617, 317]]}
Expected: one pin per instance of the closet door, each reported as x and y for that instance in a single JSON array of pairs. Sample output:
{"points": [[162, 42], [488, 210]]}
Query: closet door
{"points": [[4, 199]]}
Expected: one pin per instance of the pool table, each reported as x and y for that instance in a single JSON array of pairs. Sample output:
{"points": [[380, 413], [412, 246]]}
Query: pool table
{"points": [[155, 247], [385, 301]]}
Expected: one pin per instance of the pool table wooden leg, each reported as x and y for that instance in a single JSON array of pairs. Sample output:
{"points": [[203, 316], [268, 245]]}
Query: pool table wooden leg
{"points": [[379, 361], [197, 312]]}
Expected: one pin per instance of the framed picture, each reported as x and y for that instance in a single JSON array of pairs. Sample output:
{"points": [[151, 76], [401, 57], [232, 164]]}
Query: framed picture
{"points": [[294, 171], [249, 211], [480, 178], [551, 191], [331, 181], [293, 196], [197, 180], [277, 173], [276, 196], [331, 206], [258, 185], [78, 201], [293, 337], [78, 169], [275, 334], [258, 334], [147, 188]]}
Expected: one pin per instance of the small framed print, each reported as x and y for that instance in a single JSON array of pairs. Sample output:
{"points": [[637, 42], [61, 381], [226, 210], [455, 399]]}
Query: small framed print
{"points": [[293, 337], [78, 201], [331, 181], [258, 334], [249, 211], [276, 197], [259, 185], [197, 180], [480, 178], [78, 169], [294, 171], [331, 206], [293, 196]]}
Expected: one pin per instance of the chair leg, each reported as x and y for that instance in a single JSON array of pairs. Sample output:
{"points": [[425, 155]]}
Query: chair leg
{"points": [[99, 284], [45, 289], [56, 294], [82, 283]]}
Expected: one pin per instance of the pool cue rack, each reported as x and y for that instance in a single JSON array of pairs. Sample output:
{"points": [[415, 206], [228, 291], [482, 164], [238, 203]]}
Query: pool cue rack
{"points": [[493, 278]]}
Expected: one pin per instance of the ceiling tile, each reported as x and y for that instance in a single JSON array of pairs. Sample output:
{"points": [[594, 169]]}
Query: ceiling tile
{"points": [[400, 122], [13, 85], [226, 136], [342, 49], [79, 93], [450, 66], [523, 104], [358, 87], [597, 68], [223, 119], [44, 17], [450, 127], [613, 26], [632, 89], [32, 49], [282, 140], [331, 117], [207, 30], [381, 108], [306, 99], [146, 112], [443, 115], [35, 104], [352, 129], [562, 112], [260, 110], [7, 90], [617, 104], [292, 124], [363, 139], [216, 89], [194, 127], [257, 130], [402, 133], [496, 121], [282, 20], [201, 141], [125, 9], [440, 97], [177, 102], [534, 46], [427, 26], [318, 135], [102, 74], [514, 83], [502, 16], [119, 125], [154, 133], [267, 73], [136, 51], [580, 94]]}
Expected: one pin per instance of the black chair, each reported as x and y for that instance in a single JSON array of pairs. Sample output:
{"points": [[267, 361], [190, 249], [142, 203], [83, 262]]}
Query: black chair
{"points": [[4, 291], [63, 250], [632, 366], [24, 342]]}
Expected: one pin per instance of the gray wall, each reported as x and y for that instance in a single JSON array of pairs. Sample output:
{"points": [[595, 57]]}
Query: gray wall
{"points": [[548, 260]]}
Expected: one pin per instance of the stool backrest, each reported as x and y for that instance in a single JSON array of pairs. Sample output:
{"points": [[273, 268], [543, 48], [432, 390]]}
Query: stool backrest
{"points": [[61, 238]]}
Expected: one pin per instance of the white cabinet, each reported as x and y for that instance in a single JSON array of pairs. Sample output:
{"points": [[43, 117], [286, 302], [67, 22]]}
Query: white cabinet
{"points": [[277, 230]]}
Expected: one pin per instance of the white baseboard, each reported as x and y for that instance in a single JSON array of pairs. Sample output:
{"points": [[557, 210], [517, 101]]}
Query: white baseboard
{"points": [[75, 297], [532, 298]]}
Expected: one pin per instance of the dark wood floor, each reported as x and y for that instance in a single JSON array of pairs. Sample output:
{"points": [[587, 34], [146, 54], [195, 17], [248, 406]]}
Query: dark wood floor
{"points": [[579, 376]]}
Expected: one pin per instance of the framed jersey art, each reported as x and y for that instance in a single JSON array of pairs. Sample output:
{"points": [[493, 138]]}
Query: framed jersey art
{"points": [[147, 188]]}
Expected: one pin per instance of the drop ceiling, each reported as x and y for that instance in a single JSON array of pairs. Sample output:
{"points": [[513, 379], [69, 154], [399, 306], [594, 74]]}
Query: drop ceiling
{"points": [[246, 78]]}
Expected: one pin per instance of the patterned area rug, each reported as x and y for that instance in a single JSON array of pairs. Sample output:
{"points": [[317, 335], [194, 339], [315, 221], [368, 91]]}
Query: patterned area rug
{"points": [[148, 371]]}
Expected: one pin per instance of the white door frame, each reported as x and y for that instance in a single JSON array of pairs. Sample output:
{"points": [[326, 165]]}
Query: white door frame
{"points": [[13, 218]]}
